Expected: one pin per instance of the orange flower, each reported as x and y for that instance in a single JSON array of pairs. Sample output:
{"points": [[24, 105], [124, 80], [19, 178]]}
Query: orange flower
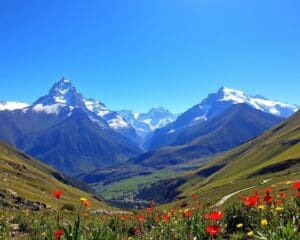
{"points": [[57, 194], [187, 213], [140, 217], [86, 203]]}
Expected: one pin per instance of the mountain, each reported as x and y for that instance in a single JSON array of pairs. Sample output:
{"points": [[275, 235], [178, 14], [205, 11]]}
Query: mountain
{"points": [[28, 183], [10, 106], [60, 130], [211, 107], [113, 119], [271, 158], [145, 123], [237, 125]]}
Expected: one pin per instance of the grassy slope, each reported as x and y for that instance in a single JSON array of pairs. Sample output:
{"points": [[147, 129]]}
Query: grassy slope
{"points": [[277, 152], [34, 181]]}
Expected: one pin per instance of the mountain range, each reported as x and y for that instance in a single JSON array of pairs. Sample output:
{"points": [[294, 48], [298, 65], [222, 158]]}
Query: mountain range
{"points": [[78, 135], [213, 105]]}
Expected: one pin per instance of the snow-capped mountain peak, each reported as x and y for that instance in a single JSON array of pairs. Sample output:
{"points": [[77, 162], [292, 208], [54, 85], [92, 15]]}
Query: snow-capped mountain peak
{"points": [[62, 94], [257, 102]]}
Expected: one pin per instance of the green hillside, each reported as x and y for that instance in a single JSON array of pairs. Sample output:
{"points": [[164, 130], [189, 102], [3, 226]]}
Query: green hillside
{"points": [[32, 181]]}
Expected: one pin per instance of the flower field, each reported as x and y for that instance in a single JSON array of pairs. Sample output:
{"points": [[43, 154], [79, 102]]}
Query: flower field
{"points": [[270, 214]]}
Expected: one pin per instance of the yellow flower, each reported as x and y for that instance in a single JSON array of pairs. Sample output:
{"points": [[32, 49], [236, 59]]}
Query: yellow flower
{"points": [[130, 238], [240, 225], [250, 234], [264, 222], [289, 182], [261, 207], [279, 209], [83, 199]]}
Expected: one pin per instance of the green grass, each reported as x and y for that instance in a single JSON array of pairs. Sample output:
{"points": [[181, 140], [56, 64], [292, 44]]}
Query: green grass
{"points": [[126, 188], [34, 180]]}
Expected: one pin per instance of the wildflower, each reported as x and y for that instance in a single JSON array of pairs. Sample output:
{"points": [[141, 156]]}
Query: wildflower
{"points": [[240, 225], [268, 190], [282, 195], [136, 230], [166, 218], [58, 233], [140, 217], [297, 185], [279, 209], [187, 213], [278, 202], [268, 199], [216, 216], [261, 207], [264, 222], [213, 230], [250, 234], [195, 196], [83, 199], [86, 203], [250, 201], [57, 194]]}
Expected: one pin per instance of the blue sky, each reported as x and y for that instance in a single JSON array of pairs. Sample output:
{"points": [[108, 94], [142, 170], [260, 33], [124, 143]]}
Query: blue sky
{"points": [[140, 53]]}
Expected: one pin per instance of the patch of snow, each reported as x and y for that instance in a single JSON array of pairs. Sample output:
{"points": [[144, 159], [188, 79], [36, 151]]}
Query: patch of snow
{"points": [[118, 122], [10, 106], [49, 109]]}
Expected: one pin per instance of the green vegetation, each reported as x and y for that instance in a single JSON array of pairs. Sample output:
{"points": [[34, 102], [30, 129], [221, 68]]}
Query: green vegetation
{"points": [[27, 181]]}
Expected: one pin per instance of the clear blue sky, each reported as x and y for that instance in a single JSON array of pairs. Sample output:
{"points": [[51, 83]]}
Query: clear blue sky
{"points": [[139, 53]]}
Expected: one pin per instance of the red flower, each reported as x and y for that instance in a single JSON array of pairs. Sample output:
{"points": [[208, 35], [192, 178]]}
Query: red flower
{"points": [[213, 230], [58, 233], [215, 216], [268, 190], [57, 194], [250, 201], [195, 196], [297, 185], [282, 195], [136, 230], [140, 217], [188, 213], [278, 202], [268, 199], [166, 218], [298, 194]]}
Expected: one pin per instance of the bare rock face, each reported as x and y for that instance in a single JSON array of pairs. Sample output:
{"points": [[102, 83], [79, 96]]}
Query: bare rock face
{"points": [[12, 201]]}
